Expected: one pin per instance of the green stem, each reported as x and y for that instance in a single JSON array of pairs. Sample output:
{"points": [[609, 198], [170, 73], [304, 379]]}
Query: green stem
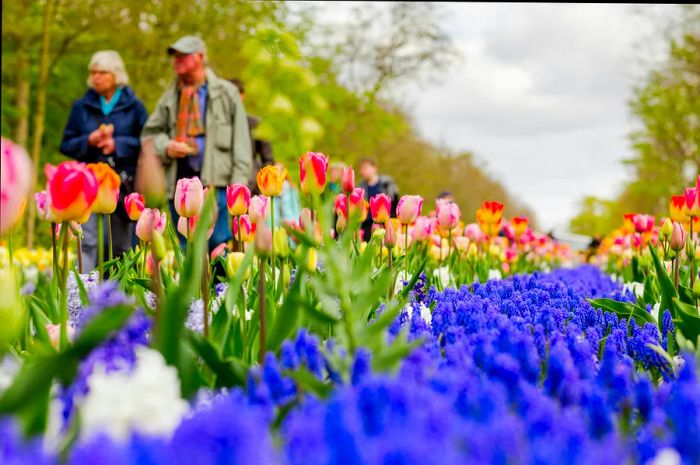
{"points": [[691, 250], [405, 260], [205, 294], [63, 239], [238, 233], [109, 237], [79, 253], [100, 245], [10, 248], [55, 254], [261, 300], [272, 236]]}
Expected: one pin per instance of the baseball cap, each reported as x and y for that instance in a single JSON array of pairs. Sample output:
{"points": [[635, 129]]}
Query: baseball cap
{"points": [[187, 45]]}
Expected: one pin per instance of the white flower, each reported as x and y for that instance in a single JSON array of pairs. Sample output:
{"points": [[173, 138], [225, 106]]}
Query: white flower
{"points": [[400, 278], [667, 456], [494, 275], [145, 399], [443, 274], [425, 313], [635, 287], [655, 311]]}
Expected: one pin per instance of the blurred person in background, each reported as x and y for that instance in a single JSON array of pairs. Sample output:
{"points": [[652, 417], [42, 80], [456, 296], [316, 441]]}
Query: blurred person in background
{"points": [[374, 183], [199, 128], [288, 204], [104, 126], [335, 175], [262, 149]]}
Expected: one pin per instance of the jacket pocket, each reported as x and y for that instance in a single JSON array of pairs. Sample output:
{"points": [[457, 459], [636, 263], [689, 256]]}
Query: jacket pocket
{"points": [[223, 138]]}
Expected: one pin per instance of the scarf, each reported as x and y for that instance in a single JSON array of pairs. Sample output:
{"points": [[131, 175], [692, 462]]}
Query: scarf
{"points": [[107, 107], [189, 116]]}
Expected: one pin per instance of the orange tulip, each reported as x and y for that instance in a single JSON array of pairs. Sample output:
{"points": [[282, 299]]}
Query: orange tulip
{"points": [[678, 209], [490, 213], [108, 183], [520, 225], [72, 189], [271, 179]]}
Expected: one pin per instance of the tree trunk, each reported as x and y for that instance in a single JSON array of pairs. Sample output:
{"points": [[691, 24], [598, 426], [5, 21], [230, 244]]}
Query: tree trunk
{"points": [[22, 95], [40, 111]]}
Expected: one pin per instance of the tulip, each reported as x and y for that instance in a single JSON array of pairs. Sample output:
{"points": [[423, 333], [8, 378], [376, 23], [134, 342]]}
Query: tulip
{"points": [[408, 209], [678, 209], [151, 220], [189, 196], [347, 181], [678, 235], [666, 229], [271, 179], [218, 251], [237, 199], [448, 215], [259, 209], [422, 229], [234, 261], [15, 183], [390, 236], [158, 245], [281, 243], [357, 205], [461, 243], [247, 228], [312, 172], [520, 225], [183, 223], [341, 206], [54, 333], [43, 208], [150, 264], [490, 213], [380, 208], [473, 232], [263, 240], [305, 220], [643, 223], [692, 199], [108, 183], [472, 251], [134, 204], [341, 223], [72, 189]]}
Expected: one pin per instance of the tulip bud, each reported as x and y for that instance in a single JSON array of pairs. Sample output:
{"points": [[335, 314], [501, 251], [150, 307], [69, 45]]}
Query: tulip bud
{"points": [[150, 264], [305, 220], [390, 236], [379, 233], [311, 258], [473, 251], [158, 245], [234, 261], [347, 182], [677, 238], [666, 229], [281, 242], [263, 240], [696, 287], [341, 223]]}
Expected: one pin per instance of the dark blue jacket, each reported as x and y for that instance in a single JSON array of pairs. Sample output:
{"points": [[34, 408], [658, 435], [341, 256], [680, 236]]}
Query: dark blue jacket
{"points": [[128, 117]]}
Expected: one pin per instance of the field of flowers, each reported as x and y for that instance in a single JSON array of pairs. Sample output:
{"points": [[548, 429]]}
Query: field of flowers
{"points": [[432, 341]]}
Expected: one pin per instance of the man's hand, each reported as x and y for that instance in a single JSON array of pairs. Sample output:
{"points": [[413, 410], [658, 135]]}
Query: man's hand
{"points": [[178, 149], [107, 146]]}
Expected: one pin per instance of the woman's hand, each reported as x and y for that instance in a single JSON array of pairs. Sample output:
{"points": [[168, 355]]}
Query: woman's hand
{"points": [[95, 137], [107, 146]]}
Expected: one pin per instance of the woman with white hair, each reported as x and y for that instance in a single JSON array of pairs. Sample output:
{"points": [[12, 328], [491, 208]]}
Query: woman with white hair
{"points": [[104, 126]]}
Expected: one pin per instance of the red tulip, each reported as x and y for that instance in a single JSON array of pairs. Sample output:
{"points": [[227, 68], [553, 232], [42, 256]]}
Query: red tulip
{"points": [[134, 204], [72, 189], [692, 199], [341, 206], [380, 207], [16, 178], [347, 182], [678, 209], [520, 225], [408, 209], [312, 172], [237, 199], [189, 197], [357, 205]]}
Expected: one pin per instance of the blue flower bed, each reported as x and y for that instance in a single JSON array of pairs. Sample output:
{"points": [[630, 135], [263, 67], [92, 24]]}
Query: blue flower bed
{"points": [[516, 371]]}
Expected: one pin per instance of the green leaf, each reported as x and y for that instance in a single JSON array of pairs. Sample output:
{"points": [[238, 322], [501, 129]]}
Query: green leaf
{"points": [[388, 358], [310, 383], [229, 372], [668, 292], [687, 319], [287, 315], [623, 310], [100, 327], [686, 294]]}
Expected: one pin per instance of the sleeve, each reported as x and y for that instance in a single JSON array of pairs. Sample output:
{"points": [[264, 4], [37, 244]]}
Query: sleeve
{"points": [[242, 150], [75, 142], [127, 146], [156, 127]]}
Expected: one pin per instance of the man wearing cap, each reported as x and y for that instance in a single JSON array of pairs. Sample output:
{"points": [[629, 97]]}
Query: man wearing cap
{"points": [[199, 128]]}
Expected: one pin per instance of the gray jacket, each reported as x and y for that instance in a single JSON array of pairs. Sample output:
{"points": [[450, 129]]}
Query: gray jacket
{"points": [[227, 151]]}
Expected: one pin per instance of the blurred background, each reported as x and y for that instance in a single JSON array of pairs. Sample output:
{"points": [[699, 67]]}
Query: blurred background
{"points": [[569, 114]]}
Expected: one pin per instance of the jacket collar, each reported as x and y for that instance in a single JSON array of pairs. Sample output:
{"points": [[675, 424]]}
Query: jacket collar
{"points": [[127, 97]]}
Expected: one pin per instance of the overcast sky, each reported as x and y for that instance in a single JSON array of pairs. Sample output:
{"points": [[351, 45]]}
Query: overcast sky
{"points": [[541, 97]]}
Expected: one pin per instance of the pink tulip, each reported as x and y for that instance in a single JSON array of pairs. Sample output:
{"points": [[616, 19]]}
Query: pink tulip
{"points": [[347, 181], [16, 178], [151, 220], [259, 208], [305, 220], [134, 204], [237, 199], [218, 251], [409, 208], [692, 199], [263, 240], [189, 197], [390, 236], [473, 232], [43, 207], [182, 226], [448, 215], [643, 223], [380, 208], [423, 229], [54, 332], [678, 235]]}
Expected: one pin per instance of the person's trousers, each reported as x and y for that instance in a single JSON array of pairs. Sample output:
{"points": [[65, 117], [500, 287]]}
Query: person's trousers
{"points": [[122, 231], [222, 228]]}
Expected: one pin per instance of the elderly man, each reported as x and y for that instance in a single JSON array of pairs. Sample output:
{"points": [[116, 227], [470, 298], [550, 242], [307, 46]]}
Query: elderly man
{"points": [[199, 128]]}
